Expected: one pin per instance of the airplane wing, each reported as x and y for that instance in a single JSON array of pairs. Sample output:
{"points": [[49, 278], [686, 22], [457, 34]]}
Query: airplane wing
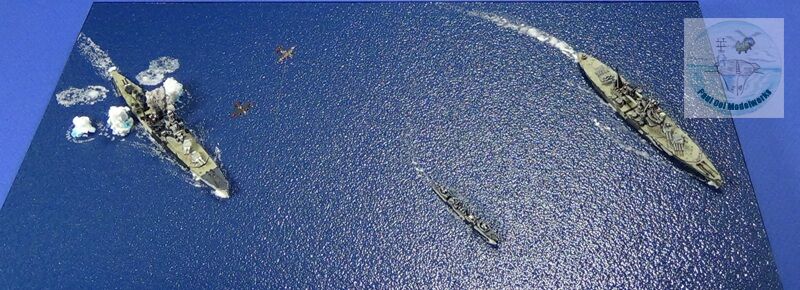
{"points": [[284, 57], [237, 109]]}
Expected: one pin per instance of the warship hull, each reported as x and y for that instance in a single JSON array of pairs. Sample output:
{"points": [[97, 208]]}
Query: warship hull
{"points": [[172, 136], [457, 208], [646, 117]]}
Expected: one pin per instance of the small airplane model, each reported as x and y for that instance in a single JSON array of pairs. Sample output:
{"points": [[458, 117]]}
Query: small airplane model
{"points": [[240, 109], [285, 54]]}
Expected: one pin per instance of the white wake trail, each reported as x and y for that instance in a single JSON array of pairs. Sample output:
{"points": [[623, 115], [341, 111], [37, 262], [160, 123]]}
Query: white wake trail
{"points": [[531, 31], [96, 55], [608, 131]]}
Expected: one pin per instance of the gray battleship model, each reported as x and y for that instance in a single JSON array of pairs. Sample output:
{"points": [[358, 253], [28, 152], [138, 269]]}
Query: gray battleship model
{"points": [[168, 131], [457, 207], [645, 115]]}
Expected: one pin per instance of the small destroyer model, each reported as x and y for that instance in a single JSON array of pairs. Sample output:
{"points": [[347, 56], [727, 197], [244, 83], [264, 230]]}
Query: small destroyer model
{"points": [[168, 131], [457, 207], [645, 115]]}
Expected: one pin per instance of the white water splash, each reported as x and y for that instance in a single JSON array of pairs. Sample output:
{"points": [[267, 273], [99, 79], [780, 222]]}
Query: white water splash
{"points": [[95, 55], [82, 126], [79, 139], [102, 130], [85, 96], [217, 154], [81, 130], [531, 31], [157, 69], [119, 121]]}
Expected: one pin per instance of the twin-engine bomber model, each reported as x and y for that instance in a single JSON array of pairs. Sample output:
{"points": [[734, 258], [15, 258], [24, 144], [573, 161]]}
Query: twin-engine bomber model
{"points": [[645, 115], [168, 131]]}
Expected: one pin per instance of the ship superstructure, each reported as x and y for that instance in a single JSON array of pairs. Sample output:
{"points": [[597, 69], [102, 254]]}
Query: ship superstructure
{"points": [[167, 130], [646, 117], [457, 207]]}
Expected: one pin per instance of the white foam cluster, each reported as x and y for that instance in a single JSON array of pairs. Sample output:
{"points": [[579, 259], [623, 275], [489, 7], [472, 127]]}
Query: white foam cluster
{"points": [[96, 56], [81, 127], [165, 96], [85, 96], [531, 31], [154, 74], [119, 121], [173, 89]]}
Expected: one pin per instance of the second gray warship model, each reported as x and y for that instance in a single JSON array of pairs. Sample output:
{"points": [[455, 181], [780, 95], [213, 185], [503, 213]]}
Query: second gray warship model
{"points": [[645, 115], [168, 131], [457, 207]]}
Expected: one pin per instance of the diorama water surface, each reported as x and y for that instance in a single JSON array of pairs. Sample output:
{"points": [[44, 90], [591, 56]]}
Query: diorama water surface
{"points": [[485, 98]]}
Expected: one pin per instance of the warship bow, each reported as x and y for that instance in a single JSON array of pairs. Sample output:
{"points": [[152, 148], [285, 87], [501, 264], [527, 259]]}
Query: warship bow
{"points": [[645, 115], [168, 131]]}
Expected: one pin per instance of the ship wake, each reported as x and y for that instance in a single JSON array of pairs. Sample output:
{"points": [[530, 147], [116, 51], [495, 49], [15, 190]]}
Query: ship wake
{"points": [[613, 136], [530, 31], [618, 141], [609, 132], [421, 173], [145, 143], [95, 55]]}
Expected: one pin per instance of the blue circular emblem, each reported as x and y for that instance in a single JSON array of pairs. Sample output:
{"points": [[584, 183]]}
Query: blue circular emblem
{"points": [[746, 62]]}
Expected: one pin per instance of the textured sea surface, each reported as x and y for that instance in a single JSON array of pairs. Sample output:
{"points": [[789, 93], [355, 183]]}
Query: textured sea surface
{"points": [[325, 194]]}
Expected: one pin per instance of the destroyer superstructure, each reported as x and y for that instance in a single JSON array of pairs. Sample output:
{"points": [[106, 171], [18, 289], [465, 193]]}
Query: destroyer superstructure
{"points": [[167, 130], [645, 115], [458, 208]]}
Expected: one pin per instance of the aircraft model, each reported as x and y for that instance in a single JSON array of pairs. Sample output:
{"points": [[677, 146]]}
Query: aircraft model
{"points": [[746, 44], [284, 54], [240, 109]]}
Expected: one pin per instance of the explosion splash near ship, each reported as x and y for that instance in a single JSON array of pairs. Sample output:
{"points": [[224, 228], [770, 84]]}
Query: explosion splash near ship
{"points": [[645, 115], [157, 116]]}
